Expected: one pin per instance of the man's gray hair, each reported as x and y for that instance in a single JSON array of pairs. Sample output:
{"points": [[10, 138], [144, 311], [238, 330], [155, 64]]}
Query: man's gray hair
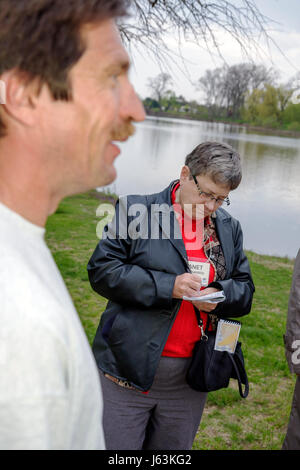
{"points": [[218, 161]]}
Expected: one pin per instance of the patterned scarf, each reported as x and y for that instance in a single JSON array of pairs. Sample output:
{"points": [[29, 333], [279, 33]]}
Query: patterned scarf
{"points": [[213, 249], [214, 253]]}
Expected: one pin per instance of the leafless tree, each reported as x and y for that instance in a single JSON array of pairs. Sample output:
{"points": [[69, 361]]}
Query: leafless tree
{"points": [[212, 84], [159, 85], [239, 80], [227, 86]]}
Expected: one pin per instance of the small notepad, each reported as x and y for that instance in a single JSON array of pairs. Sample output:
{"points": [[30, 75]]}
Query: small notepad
{"points": [[227, 335], [213, 298]]}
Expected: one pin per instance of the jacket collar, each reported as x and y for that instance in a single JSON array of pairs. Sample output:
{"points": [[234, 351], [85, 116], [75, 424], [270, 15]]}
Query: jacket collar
{"points": [[164, 200], [224, 234]]}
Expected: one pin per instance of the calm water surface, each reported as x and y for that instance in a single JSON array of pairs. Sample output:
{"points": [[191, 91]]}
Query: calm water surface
{"points": [[267, 202]]}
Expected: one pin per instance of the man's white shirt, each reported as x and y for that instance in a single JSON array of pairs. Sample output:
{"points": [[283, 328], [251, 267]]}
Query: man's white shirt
{"points": [[50, 395]]}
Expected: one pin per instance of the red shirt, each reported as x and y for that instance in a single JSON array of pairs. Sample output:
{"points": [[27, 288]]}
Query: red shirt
{"points": [[185, 331]]}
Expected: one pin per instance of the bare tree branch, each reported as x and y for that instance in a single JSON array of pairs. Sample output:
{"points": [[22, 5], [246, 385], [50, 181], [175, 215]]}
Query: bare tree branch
{"points": [[153, 22], [194, 20]]}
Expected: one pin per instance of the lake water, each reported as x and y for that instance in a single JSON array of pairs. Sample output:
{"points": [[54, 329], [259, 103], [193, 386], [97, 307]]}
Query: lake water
{"points": [[267, 202]]}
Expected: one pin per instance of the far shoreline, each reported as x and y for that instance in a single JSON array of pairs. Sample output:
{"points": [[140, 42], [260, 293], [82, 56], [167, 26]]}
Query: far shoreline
{"points": [[248, 127]]}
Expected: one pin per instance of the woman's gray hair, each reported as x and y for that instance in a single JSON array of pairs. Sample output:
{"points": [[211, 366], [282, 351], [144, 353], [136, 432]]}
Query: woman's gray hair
{"points": [[218, 161]]}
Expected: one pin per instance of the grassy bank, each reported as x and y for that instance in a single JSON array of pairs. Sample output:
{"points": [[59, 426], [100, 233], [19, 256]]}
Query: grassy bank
{"points": [[260, 421]]}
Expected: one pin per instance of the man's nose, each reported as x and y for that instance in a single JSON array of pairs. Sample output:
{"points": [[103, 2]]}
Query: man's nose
{"points": [[131, 106]]}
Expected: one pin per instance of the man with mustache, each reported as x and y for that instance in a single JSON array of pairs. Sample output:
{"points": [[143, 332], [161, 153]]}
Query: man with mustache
{"points": [[68, 98]]}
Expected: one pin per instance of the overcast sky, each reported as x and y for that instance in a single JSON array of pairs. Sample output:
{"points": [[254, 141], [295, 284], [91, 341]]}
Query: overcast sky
{"points": [[286, 34]]}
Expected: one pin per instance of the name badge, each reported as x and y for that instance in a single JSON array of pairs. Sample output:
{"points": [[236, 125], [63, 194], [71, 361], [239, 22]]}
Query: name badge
{"points": [[201, 268]]}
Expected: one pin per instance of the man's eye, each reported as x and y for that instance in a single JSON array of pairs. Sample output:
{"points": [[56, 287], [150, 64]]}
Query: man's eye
{"points": [[115, 75], [114, 79]]}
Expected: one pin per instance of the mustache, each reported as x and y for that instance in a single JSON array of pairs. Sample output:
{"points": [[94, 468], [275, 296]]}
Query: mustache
{"points": [[124, 131]]}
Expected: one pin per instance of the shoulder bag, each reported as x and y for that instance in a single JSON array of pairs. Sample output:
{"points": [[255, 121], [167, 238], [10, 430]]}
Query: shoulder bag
{"points": [[212, 370]]}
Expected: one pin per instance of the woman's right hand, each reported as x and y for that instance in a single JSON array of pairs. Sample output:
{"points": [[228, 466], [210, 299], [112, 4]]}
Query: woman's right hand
{"points": [[187, 285]]}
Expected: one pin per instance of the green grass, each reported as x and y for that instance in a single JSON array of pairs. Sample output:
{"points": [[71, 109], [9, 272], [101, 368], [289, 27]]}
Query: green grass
{"points": [[71, 236], [228, 422]]}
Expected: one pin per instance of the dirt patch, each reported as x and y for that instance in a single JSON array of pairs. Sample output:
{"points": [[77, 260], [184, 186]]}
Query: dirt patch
{"points": [[272, 263], [110, 198]]}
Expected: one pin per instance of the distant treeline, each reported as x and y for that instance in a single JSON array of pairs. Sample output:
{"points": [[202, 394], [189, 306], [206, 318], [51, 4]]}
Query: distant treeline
{"points": [[243, 93]]}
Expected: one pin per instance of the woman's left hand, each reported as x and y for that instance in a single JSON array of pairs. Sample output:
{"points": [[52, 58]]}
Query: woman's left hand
{"points": [[205, 306]]}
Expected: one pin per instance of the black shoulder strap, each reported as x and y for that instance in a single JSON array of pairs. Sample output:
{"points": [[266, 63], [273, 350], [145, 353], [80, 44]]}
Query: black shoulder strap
{"points": [[204, 336], [237, 367], [200, 321]]}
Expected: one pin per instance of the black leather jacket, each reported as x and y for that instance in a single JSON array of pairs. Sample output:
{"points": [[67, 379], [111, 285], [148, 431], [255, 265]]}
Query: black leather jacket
{"points": [[138, 275]]}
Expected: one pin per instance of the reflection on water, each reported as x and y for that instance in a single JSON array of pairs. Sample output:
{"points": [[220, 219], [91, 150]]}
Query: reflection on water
{"points": [[267, 202]]}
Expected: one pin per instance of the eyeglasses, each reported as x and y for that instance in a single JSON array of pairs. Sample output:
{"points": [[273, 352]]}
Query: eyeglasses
{"points": [[208, 196]]}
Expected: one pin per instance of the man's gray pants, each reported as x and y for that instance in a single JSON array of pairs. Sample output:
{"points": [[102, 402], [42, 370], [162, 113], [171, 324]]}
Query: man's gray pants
{"points": [[166, 418]]}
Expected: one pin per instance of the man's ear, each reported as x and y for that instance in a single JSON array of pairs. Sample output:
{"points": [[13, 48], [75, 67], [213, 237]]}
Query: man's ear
{"points": [[20, 98]]}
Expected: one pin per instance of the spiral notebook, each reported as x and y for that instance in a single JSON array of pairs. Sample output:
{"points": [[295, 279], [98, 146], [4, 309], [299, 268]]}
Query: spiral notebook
{"points": [[227, 335]]}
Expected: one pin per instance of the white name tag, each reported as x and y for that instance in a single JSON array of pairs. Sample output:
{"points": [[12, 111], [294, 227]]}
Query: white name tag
{"points": [[202, 269]]}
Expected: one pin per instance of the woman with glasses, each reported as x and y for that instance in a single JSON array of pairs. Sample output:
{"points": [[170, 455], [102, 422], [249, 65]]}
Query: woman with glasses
{"points": [[188, 246]]}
